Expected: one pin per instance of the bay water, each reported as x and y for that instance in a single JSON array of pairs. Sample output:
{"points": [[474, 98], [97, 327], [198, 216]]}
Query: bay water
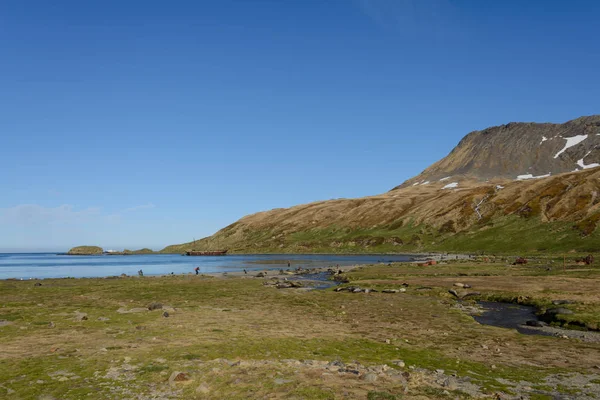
{"points": [[52, 265]]}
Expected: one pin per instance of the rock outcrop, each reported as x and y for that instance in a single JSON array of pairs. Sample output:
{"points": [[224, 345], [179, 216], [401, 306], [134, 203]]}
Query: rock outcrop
{"points": [[86, 251]]}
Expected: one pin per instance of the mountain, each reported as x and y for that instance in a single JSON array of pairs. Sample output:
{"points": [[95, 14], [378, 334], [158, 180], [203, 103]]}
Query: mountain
{"points": [[481, 197], [519, 151]]}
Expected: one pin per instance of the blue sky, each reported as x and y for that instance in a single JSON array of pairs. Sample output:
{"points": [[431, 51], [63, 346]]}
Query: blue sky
{"points": [[147, 123]]}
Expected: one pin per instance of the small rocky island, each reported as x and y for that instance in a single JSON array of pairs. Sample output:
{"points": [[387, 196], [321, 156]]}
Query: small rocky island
{"points": [[98, 251], [86, 251]]}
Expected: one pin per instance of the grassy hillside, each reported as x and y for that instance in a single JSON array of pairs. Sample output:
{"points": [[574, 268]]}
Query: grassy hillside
{"points": [[555, 214]]}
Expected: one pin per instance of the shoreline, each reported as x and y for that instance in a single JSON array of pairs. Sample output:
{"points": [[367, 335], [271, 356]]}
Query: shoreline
{"points": [[54, 266]]}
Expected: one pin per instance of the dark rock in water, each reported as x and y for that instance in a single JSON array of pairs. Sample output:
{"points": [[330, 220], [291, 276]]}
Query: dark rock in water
{"points": [[560, 302], [559, 310], [536, 323], [155, 306]]}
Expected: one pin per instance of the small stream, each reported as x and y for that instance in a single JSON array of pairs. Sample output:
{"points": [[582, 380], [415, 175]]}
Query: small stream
{"points": [[319, 281], [515, 316], [507, 315]]}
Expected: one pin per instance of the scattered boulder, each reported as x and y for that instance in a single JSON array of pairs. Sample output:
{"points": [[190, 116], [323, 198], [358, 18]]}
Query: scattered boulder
{"points": [[260, 275], [165, 314], [51, 324], [370, 377], [79, 316], [155, 306], [390, 291], [37, 284], [178, 376]]}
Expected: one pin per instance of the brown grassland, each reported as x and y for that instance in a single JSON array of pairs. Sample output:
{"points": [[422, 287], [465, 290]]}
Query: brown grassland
{"points": [[233, 337]]}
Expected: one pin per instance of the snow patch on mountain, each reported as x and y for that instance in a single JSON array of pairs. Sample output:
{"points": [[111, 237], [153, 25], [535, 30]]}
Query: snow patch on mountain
{"points": [[571, 141], [584, 166], [451, 185], [530, 176]]}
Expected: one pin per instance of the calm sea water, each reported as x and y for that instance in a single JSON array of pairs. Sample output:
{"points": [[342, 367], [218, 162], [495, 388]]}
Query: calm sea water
{"points": [[51, 265]]}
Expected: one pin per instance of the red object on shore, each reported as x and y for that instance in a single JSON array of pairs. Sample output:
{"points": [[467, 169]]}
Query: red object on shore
{"points": [[427, 263], [520, 260]]}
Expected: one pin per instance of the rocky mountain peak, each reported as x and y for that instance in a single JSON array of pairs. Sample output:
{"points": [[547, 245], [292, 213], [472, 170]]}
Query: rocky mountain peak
{"points": [[518, 151]]}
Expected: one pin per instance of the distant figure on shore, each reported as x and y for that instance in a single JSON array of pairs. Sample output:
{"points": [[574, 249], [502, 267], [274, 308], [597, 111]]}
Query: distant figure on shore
{"points": [[289, 264], [197, 269], [245, 272], [141, 273]]}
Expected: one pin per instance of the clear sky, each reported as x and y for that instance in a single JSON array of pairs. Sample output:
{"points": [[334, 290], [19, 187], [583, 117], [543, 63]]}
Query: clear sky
{"points": [[147, 123]]}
